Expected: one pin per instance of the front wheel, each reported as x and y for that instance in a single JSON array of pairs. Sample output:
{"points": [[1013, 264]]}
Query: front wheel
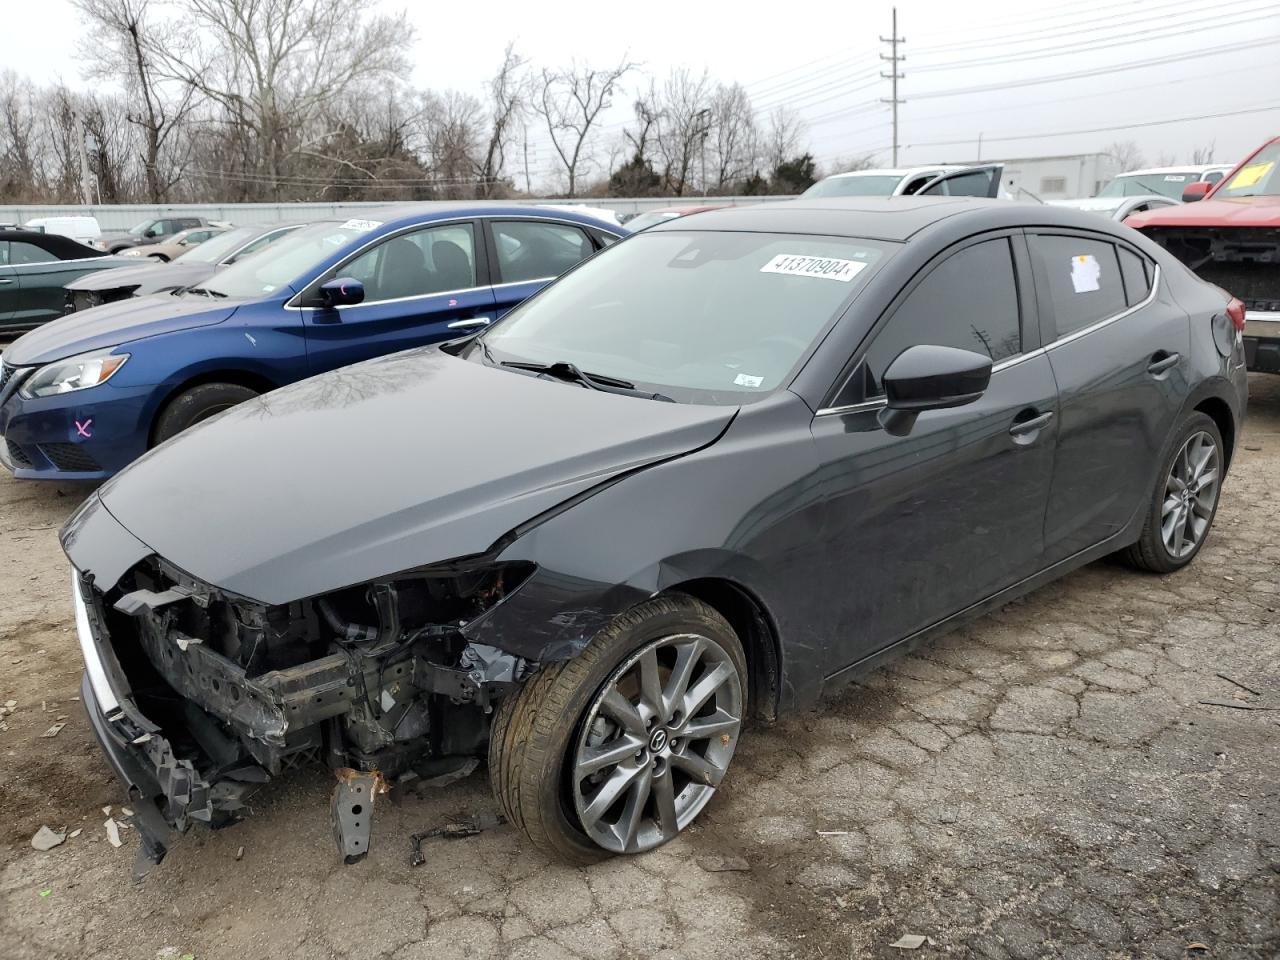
{"points": [[619, 749], [1185, 499], [195, 405]]}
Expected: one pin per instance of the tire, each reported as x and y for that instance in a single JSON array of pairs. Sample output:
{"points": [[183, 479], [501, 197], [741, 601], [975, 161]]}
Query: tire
{"points": [[1152, 552], [199, 403], [541, 730]]}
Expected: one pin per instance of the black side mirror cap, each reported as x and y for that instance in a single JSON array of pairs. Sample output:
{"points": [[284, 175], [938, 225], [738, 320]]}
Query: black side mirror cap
{"points": [[341, 292], [931, 377]]}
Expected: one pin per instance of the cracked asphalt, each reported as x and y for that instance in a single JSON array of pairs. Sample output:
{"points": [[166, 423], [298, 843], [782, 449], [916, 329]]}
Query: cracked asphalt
{"points": [[1044, 783]]}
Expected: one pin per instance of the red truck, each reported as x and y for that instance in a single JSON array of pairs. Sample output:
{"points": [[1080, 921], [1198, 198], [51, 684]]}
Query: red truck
{"points": [[1231, 237]]}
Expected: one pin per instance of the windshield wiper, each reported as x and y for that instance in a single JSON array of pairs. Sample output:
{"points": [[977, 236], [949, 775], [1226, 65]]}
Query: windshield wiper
{"points": [[564, 370], [206, 292]]}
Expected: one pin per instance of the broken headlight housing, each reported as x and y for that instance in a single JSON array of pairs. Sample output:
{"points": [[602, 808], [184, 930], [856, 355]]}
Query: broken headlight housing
{"points": [[75, 373]]}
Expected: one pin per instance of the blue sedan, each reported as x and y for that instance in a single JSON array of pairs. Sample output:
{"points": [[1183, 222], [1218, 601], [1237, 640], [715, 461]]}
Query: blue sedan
{"points": [[84, 396]]}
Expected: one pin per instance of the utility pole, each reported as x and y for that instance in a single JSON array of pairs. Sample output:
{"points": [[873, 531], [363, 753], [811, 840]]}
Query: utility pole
{"points": [[528, 188], [86, 190], [893, 76], [706, 128]]}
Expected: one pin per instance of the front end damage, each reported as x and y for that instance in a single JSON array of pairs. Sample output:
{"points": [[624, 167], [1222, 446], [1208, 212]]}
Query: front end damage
{"points": [[200, 697], [1244, 261]]}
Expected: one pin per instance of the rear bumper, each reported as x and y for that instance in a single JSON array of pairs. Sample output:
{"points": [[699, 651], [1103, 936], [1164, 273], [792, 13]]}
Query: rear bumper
{"points": [[1262, 341]]}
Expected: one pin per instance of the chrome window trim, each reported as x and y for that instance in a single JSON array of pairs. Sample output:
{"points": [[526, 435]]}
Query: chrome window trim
{"points": [[879, 402], [1107, 321], [290, 305], [45, 263]]}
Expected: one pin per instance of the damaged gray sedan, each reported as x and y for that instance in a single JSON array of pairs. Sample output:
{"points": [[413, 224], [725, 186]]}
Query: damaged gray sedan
{"points": [[713, 473]]}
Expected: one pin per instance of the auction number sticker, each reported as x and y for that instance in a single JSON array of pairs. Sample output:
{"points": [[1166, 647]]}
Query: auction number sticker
{"points": [[362, 225], [820, 268]]}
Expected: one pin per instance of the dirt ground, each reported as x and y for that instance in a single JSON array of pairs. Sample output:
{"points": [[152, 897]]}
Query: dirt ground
{"points": [[1045, 783]]}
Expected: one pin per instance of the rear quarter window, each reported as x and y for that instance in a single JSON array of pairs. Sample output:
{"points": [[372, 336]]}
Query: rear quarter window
{"points": [[1136, 272], [1083, 278]]}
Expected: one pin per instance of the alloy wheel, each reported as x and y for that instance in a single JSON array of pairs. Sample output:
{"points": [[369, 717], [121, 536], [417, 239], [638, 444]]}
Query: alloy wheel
{"points": [[1190, 495], [656, 742]]}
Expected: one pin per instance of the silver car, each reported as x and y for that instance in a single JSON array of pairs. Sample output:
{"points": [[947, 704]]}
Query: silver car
{"points": [[1117, 208]]}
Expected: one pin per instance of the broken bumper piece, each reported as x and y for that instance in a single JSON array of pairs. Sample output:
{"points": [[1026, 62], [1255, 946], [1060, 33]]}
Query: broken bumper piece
{"points": [[168, 793]]}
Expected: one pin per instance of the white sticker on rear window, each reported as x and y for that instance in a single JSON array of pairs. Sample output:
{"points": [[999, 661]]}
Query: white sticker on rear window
{"points": [[1173, 179], [1085, 272], [821, 268], [361, 225], [746, 380]]}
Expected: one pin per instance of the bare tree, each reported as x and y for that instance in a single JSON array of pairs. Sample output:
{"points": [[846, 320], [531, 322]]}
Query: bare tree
{"points": [[1203, 154], [847, 164], [684, 126], [123, 33], [1126, 155], [507, 96], [451, 137], [736, 139], [570, 102], [783, 137], [273, 66]]}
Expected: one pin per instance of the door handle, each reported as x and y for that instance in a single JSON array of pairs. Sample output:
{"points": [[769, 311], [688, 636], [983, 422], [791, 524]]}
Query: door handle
{"points": [[1022, 428], [4, 280], [473, 322], [1162, 361]]}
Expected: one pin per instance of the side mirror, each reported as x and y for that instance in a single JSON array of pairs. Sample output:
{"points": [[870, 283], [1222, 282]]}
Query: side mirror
{"points": [[342, 292], [928, 377], [1195, 191]]}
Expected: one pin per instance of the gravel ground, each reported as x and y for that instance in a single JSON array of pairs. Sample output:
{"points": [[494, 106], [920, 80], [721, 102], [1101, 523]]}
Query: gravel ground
{"points": [[1044, 783]]}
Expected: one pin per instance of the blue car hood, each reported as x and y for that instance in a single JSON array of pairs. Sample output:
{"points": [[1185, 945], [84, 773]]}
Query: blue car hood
{"points": [[114, 323]]}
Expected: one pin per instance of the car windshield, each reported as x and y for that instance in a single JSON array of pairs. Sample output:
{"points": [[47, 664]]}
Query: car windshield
{"points": [[636, 224], [704, 317], [138, 229], [1142, 184], [869, 186], [1258, 177], [287, 260], [219, 245]]}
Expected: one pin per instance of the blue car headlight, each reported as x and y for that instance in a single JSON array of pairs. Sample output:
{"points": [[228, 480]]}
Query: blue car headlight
{"points": [[74, 373]]}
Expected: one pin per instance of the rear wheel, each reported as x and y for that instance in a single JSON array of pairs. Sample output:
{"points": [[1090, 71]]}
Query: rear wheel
{"points": [[197, 404], [1184, 501], [619, 749]]}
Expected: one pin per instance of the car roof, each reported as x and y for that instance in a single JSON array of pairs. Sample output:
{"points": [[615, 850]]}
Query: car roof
{"points": [[1179, 168], [897, 171], [896, 219], [431, 209], [65, 247]]}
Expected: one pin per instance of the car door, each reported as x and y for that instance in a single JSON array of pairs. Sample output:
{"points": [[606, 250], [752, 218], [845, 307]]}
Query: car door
{"points": [[421, 285], [8, 285], [1118, 345], [527, 254], [919, 527], [38, 277]]}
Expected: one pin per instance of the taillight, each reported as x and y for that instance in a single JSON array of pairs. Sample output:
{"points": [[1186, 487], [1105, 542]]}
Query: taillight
{"points": [[1235, 310]]}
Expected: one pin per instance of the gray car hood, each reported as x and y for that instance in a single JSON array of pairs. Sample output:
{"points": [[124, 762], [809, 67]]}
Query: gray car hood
{"points": [[416, 458], [145, 277]]}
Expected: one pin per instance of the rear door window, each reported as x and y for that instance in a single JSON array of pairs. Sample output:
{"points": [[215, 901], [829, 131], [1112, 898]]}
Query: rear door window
{"points": [[532, 250], [20, 253], [1135, 271], [1083, 279], [969, 301]]}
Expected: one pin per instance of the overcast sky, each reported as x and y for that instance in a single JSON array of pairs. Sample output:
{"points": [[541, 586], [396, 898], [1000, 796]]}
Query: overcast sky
{"points": [[821, 58]]}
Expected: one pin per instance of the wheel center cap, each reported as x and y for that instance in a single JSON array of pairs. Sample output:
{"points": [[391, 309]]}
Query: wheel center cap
{"points": [[658, 741]]}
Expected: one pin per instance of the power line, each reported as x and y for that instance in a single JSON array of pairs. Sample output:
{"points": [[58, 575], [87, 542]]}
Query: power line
{"points": [[1174, 10], [1022, 24], [1080, 46], [1121, 126], [1101, 71]]}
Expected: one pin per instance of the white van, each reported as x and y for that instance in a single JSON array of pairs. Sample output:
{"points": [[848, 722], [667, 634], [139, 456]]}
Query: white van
{"points": [[83, 229]]}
